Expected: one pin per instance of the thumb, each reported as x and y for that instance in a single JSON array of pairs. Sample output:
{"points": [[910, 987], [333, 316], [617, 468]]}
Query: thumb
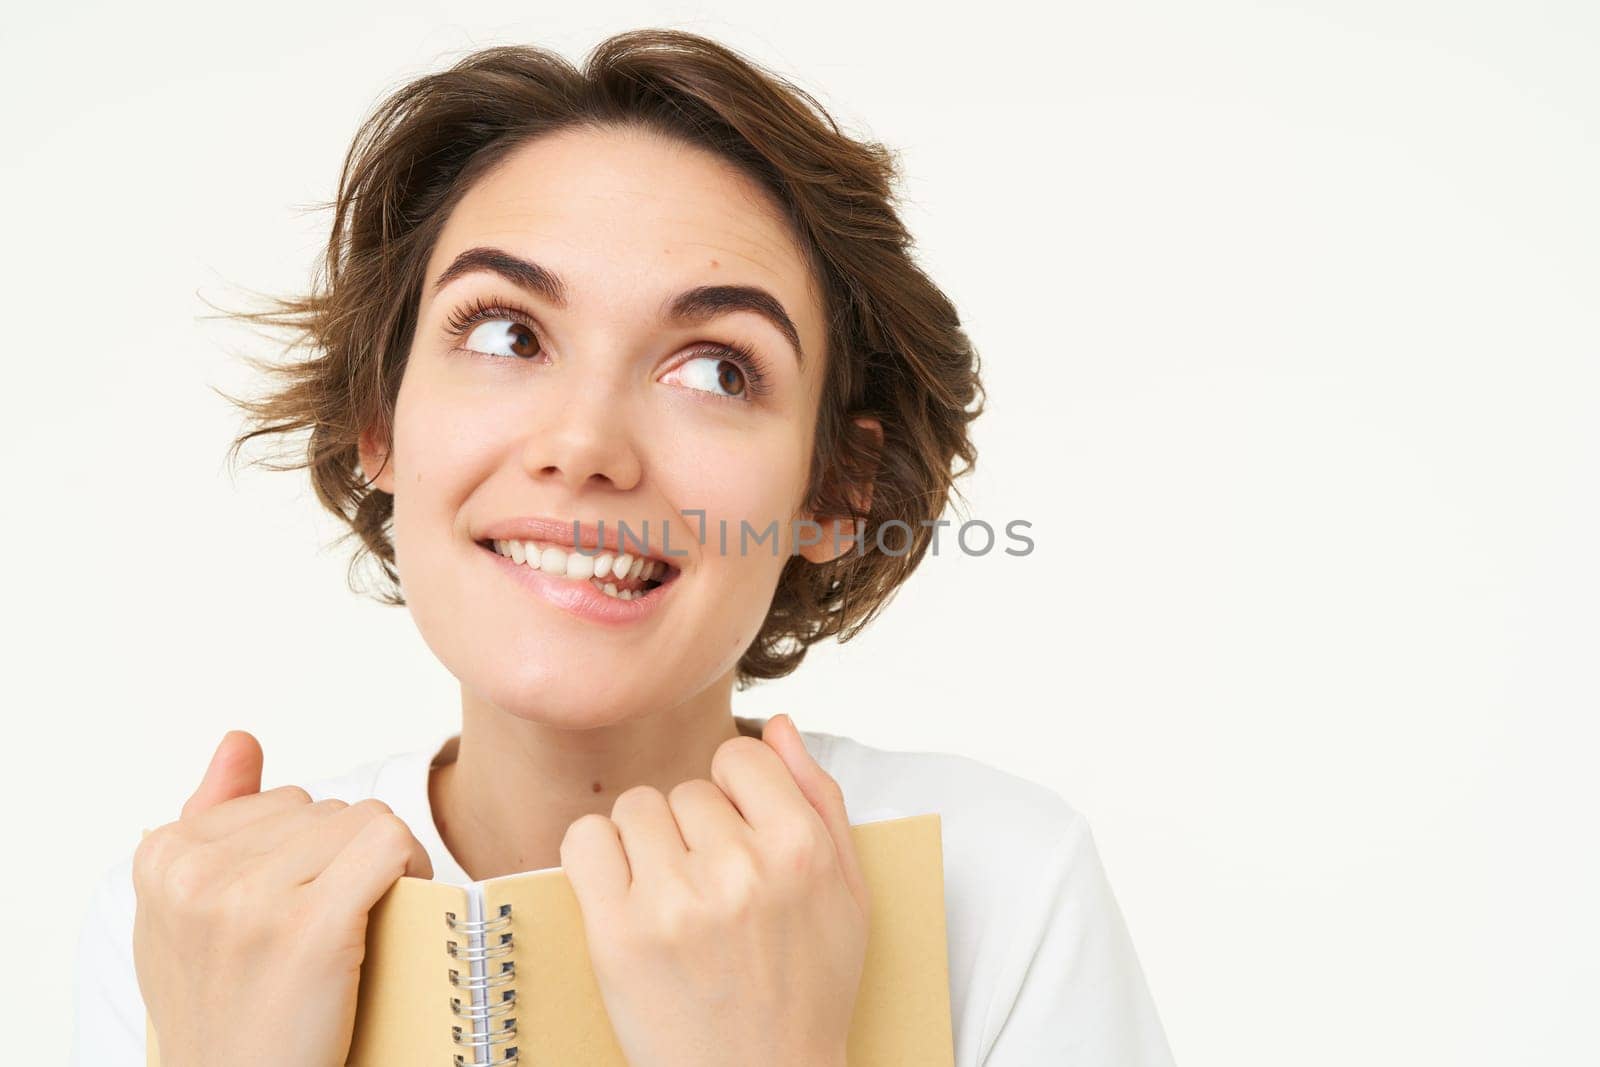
{"points": [[821, 791], [234, 771]]}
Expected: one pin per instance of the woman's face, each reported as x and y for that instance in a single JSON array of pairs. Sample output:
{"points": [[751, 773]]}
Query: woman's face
{"points": [[559, 374]]}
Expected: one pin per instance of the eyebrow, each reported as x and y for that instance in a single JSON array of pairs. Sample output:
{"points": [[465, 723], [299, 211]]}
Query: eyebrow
{"points": [[697, 305]]}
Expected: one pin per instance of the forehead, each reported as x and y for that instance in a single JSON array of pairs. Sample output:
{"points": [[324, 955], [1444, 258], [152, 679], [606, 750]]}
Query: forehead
{"points": [[626, 217]]}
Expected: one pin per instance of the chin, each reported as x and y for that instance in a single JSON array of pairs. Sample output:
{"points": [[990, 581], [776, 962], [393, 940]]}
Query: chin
{"points": [[569, 698]]}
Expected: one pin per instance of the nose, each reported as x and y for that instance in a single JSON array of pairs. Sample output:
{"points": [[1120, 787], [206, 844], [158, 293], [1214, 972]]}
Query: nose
{"points": [[582, 436]]}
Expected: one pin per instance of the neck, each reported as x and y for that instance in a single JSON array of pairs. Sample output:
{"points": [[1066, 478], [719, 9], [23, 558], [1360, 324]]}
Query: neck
{"points": [[503, 805]]}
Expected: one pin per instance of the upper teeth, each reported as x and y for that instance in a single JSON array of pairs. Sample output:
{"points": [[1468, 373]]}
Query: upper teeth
{"points": [[562, 563]]}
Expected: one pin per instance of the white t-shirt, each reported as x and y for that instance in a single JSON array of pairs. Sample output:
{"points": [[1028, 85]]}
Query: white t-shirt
{"points": [[1042, 971]]}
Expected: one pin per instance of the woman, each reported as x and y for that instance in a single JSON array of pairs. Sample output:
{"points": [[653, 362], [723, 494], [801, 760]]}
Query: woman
{"points": [[609, 370]]}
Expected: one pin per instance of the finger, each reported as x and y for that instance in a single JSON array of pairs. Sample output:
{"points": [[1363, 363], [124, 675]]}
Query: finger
{"points": [[648, 831], [310, 855], [595, 862], [231, 816], [758, 783], [382, 851], [234, 771], [705, 816], [273, 831], [823, 793]]}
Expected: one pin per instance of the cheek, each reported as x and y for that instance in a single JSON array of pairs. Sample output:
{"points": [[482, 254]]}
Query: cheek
{"points": [[749, 485], [757, 474], [443, 448]]}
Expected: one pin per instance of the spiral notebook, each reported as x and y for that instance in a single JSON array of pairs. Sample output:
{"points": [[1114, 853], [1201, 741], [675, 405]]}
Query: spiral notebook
{"points": [[498, 972]]}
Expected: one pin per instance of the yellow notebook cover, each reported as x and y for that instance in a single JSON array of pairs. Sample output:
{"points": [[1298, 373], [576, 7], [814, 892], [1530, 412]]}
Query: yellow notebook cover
{"points": [[405, 1015]]}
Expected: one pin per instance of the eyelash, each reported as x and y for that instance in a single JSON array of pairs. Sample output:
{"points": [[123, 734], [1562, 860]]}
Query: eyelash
{"points": [[461, 322]]}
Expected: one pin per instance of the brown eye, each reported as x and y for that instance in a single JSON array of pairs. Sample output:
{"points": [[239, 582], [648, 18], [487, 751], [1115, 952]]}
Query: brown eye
{"points": [[504, 337], [715, 374], [730, 377]]}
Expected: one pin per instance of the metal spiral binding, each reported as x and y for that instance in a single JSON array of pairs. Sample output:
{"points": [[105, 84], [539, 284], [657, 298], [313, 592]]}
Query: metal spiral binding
{"points": [[479, 950]]}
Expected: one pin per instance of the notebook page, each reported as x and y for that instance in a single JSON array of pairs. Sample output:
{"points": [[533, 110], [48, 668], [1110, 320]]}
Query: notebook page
{"points": [[403, 1006]]}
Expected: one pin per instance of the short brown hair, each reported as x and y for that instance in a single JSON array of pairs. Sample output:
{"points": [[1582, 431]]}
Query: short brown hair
{"points": [[895, 347]]}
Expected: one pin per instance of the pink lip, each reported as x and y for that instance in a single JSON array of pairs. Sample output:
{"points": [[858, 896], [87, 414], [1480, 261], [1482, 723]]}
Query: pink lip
{"points": [[581, 598], [556, 532]]}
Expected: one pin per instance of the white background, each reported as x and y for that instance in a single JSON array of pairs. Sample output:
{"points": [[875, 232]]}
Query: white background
{"points": [[1289, 326]]}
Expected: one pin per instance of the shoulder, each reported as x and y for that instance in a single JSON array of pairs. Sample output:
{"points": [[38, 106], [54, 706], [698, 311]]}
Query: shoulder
{"points": [[1039, 955], [983, 811], [388, 778], [108, 1011], [1007, 840]]}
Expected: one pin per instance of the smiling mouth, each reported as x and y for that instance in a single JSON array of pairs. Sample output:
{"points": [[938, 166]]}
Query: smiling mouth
{"points": [[621, 577]]}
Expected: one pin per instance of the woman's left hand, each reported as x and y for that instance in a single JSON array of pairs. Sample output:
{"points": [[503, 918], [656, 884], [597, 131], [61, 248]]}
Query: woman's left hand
{"points": [[727, 921]]}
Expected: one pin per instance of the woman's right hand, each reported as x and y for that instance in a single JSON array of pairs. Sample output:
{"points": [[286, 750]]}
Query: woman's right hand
{"points": [[252, 916]]}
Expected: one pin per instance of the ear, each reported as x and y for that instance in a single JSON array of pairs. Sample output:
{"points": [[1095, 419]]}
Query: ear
{"points": [[375, 457], [840, 530]]}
